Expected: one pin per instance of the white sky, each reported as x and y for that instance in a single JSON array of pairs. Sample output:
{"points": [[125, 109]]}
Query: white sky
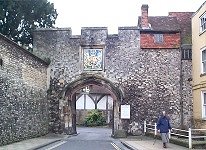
{"points": [[114, 13]]}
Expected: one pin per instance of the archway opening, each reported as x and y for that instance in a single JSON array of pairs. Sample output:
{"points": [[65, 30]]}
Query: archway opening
{"points": [[92, 92]]}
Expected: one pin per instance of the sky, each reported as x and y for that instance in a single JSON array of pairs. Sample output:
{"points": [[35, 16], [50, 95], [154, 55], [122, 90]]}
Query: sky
{"points": [[114, 13]]}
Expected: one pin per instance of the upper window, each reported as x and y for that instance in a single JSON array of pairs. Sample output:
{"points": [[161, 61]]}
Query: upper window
{"points": [[204, 61], [187, 54], [203, 22], [203, 104], [158, 38]]}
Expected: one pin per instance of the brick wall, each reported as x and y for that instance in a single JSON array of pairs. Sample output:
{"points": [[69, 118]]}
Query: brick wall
{"points": [[170, 40]]}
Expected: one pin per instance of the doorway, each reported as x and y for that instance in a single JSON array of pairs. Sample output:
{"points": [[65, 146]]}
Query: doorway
{"points": [[89, 93]]}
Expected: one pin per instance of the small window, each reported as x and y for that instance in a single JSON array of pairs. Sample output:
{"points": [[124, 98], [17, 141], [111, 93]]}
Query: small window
{"points": [[187, 54], [204, 61], [1, 62], [158, 38], [203, 104], [203, 22]]}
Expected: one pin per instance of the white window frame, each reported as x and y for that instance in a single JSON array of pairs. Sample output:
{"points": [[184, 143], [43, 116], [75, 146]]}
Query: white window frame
{"points": [[202, 68], [203, 105], [203, 22]]}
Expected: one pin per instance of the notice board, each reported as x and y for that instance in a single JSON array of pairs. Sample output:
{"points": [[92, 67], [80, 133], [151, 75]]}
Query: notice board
{"points": [[125, 111]]}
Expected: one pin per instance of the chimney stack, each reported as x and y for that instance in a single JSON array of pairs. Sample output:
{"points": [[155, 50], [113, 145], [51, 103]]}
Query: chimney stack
{"points": [[144, 17]]}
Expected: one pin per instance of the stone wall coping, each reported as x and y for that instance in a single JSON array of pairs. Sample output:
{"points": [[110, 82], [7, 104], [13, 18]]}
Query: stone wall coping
{"points": [[53, 29], [113, 36], [129, 28], [186, 46], [22, 49], [94, 28], [76, 37]]}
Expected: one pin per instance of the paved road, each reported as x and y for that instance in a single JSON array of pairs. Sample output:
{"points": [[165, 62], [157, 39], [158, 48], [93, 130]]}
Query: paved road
{"points": [[88, 139]]}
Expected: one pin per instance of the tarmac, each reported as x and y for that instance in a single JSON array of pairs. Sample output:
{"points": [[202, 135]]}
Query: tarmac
{"points": [[138, 143]]}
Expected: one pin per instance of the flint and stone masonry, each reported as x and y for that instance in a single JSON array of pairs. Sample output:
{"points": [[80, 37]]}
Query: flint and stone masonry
{"points": [[37, 97], [23, 94], [149, 80]]}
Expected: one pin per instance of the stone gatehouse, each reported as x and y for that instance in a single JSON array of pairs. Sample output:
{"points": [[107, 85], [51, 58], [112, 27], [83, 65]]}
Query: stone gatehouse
{"points": [[147, 66], [139, 71]]}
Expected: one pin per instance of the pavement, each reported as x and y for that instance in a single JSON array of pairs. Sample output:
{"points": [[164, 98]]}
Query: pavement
{"points": [[138, 143], [35, 143], [147, 143]]}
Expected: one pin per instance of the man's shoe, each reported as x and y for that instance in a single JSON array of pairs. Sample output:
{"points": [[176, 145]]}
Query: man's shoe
{"points": [[164, 145]]}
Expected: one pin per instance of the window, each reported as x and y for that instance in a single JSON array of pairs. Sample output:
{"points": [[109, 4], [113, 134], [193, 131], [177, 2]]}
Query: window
{"points": [[204, 61], [158, 38], [187, 54], [1, 62], [203, 22], [204, 104]]}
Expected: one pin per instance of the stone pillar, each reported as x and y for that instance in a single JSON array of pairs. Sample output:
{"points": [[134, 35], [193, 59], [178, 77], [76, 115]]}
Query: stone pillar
{"points": [[68, 116]]}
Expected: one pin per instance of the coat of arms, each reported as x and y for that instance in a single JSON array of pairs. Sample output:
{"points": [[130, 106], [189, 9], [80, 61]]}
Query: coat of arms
{"points": [[93, 59]]}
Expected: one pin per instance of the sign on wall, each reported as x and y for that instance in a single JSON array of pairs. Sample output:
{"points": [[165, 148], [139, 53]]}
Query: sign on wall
{"points": [[93, 59], [125, 111]]}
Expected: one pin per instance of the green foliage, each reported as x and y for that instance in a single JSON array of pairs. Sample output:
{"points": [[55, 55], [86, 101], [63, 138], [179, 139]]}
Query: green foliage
{"points": [[18, 18], [94, 118]]}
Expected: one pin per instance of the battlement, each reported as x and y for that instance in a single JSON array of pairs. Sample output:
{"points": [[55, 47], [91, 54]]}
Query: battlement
{"points": [[84, 30]]}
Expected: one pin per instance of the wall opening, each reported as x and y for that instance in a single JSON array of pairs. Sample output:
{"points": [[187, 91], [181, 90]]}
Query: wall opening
{"points": [[103, 96]]}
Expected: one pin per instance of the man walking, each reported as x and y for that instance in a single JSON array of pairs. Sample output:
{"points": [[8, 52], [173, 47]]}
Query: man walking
{"points": [[163, 126]]}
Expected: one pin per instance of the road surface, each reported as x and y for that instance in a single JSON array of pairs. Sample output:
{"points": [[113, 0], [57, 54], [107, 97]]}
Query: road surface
{"points": [[88, 139]]}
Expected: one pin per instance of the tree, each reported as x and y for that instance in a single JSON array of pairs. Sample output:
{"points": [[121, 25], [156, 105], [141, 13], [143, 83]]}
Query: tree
{"points": [[18, 18]]}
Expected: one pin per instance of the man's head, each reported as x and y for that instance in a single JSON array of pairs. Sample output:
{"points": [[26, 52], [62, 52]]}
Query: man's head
{"points": [[163, 113]]}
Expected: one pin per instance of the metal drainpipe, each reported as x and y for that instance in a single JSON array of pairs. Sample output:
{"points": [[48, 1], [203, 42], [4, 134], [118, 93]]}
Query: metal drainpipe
{"points": [[181, 94]]}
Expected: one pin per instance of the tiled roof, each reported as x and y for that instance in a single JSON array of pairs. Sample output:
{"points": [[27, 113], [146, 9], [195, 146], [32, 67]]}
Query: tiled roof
{"points": [[161, 23], [184, 20]]}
